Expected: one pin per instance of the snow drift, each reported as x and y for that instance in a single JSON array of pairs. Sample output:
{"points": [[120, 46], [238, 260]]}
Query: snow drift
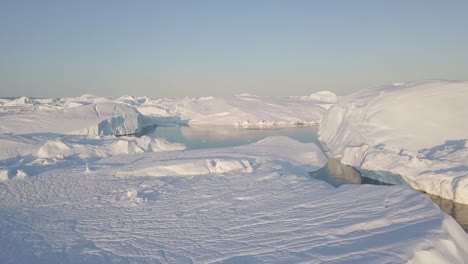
{"points": [[418, 130]]}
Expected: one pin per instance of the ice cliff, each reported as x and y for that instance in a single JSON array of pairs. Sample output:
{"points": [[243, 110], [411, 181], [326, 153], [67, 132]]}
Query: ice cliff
{"points": [[417, 129]]}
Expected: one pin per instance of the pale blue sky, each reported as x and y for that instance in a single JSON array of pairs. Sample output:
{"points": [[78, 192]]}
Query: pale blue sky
{"points": [[196, 48]]}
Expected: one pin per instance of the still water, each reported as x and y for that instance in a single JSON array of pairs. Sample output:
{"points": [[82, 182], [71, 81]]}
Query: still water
{"points": [[334, 173], [202, 137]]}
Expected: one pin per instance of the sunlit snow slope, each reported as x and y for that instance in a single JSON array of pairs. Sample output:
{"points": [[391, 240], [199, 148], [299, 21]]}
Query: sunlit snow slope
{"points": [[418, 130]]}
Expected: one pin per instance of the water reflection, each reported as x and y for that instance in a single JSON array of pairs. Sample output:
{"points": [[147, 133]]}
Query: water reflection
{"points": [[199, 137], [335, 173], [457, 210]]}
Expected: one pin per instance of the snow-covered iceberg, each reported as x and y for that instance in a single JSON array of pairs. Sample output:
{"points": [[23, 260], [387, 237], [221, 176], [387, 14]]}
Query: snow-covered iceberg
{"points": [[417, 129], [244, 110], [107, 118], [92, 115]]}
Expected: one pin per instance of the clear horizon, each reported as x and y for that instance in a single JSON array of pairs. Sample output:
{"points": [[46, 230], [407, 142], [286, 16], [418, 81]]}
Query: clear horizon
{"points": [[184, 48]]}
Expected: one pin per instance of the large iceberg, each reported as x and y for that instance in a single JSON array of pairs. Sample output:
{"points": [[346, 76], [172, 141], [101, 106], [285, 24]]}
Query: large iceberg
{"points": [[417, 129], [91, 119]]}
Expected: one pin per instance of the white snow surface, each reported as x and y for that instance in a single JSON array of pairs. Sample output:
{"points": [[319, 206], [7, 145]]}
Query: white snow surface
{"points": [[248, 204], [72, 192], [418, 130]]}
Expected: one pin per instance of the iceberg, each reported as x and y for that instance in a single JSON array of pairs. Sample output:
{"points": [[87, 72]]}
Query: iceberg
{"points": [[245, 110], [418, 130]]}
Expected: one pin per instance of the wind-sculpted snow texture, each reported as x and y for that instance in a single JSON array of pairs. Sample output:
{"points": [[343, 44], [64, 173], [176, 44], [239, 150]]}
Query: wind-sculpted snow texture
{"points": [[255, 205], [418, 130], [71, 194]]}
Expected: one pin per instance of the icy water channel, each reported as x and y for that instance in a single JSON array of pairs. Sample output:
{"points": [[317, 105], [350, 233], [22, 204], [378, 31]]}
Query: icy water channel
{"points": [[335, 173]]}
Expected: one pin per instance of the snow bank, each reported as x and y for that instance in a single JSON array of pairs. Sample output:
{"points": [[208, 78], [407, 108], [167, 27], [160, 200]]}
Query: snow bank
{"points": [[416, 129]]}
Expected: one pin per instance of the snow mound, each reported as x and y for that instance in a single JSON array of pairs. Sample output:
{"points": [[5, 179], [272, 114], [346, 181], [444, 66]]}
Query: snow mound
{"points": [[88, 96], [99, 148], [324, 96], [142, 145], [21, 174], [17, 174], [91, 98], [192, 167], [54, 149], [415, 129], [128, 99], [22, 101]]}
